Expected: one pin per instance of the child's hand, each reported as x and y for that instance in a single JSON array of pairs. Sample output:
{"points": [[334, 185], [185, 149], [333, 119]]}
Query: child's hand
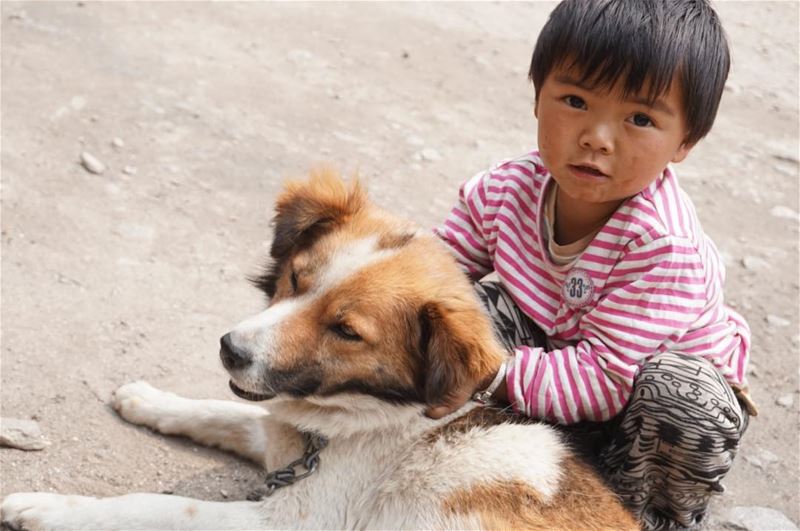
{"points": [[465, 394]]}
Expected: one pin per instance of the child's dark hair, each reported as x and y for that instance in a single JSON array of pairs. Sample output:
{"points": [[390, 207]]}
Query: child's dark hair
{"points": [[643, 43]]}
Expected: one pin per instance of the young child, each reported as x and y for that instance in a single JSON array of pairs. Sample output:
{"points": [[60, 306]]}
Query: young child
{"points": [[610, 295]]}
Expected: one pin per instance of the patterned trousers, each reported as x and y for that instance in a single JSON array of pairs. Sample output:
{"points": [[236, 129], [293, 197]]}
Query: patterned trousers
{"points": [[667, 452]]}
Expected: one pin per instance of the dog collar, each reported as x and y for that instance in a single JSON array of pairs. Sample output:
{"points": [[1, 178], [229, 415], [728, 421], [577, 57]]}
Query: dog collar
{"points": [[485, 396]]}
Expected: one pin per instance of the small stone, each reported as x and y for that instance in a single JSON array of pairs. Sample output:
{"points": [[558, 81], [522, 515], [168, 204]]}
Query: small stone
{"points": [[758, 519], [21, 434], [754, 461], [762, 459], [91, 163], [774, 320], [768, 457], [733, 88], [754, 263], [414, 140], [428, 155], [480, 59], [784, 170], [78, 102], [224, 493], [21, 16], [780, 211], [118, 143], [129, 170], [785, 401], [299, 55]]}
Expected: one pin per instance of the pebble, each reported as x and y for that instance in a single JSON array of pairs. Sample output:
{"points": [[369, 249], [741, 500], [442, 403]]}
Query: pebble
{"points": [[774, 320], [780, 211], [224, 493], [78, 102], [428, 155], [732, 87], [22, 434], [299, 55], [762, 459], [117, 142], [758, 519], [780, 168], [129, 170], [754, 263], [785, 401], [91, 163]]}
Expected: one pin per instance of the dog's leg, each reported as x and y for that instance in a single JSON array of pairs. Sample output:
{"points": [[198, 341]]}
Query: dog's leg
{"points": [[232, 426], [43, 511]]}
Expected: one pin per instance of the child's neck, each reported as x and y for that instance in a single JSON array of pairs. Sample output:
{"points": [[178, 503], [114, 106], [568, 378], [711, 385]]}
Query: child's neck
{"points": [[576, 219]]}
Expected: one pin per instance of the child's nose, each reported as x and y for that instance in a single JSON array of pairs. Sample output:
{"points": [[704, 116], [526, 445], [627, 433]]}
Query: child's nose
{"points": [[597, 137]]}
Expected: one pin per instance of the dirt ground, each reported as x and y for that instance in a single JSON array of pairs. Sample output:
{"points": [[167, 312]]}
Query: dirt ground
{"points": [[136, 272]]}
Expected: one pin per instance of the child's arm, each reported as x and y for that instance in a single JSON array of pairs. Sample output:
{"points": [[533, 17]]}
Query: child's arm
{"points": [[463, 232], [657, 298]]}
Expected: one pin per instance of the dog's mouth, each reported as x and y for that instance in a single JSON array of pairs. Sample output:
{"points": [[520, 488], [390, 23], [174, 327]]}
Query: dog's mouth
{"points": [[247, 395]]}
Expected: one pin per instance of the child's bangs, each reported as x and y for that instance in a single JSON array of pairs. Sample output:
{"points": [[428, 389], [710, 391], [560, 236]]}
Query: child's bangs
{"points": [[632, 78]]}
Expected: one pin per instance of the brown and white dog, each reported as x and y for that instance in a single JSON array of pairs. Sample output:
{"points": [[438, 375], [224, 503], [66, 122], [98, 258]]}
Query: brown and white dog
{"points": [[370, 325]]}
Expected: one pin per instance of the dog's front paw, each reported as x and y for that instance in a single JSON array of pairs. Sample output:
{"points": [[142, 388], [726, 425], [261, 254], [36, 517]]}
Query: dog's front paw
{"points": [[141, 403], [39, 511]]}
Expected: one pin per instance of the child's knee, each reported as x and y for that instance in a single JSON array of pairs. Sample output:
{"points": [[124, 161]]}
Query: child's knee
{"points": [[689, 388]]}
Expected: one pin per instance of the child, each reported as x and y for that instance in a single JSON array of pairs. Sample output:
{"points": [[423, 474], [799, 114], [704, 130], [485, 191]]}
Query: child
{"points": [[609, 293]]}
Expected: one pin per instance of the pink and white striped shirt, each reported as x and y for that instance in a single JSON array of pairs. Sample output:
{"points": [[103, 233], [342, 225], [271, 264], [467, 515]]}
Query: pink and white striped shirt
{"points": [[649, 282]]}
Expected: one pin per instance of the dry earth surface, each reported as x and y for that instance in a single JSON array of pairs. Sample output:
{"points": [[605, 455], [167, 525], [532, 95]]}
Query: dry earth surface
{"points": [[136, 272]]}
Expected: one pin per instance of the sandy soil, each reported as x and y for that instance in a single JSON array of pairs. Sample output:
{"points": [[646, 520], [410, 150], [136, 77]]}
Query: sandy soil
{"points": [[136, 272]]}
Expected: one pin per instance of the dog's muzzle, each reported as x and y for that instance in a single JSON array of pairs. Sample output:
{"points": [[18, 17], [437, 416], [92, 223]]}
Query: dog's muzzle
{"points": [[236, 359]]}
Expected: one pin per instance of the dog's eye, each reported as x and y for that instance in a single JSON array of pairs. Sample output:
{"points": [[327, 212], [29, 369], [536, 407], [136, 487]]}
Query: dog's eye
{"points": [[294, 281], [345, 331]]}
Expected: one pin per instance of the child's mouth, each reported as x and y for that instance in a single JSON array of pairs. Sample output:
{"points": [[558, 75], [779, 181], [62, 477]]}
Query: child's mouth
{"points": [[588, 170]]}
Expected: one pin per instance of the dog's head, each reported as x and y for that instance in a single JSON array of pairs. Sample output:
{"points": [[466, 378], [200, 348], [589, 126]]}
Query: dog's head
{"points": [[360, 304]]}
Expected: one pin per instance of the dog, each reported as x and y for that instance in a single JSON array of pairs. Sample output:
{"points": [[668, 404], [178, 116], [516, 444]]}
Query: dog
{"points": [[366, 355]]}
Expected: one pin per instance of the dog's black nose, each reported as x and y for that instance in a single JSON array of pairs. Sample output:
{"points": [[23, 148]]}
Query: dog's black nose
{"points": [[232, 356]]}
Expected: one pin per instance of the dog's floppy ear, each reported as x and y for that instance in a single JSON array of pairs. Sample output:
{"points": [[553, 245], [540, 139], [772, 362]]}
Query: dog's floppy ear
{"points": [[459, 352], [306, 210]]}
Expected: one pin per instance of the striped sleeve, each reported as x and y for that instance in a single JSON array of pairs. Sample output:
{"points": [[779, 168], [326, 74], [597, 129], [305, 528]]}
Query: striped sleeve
{"points": [[657, 291], [464, 228]]}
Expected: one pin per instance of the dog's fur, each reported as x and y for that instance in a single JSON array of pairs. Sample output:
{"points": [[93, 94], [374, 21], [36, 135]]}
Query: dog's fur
{"points": [[370, 325]]}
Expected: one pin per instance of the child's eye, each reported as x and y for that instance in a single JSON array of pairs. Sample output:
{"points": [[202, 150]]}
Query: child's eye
{"points": [[575, 102], [641, 120]]}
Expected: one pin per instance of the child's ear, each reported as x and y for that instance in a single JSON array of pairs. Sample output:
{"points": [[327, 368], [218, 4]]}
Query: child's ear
{"points": [[682, 152]]}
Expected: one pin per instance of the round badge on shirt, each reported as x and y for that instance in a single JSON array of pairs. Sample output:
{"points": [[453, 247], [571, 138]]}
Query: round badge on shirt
{"points": [[578, 288]]}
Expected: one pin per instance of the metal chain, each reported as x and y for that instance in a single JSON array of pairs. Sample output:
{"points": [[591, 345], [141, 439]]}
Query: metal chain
{"points": [[283, 477]]}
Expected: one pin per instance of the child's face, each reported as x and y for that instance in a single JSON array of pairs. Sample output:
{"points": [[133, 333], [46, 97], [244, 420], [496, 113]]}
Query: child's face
{"points": [[601, 148]]}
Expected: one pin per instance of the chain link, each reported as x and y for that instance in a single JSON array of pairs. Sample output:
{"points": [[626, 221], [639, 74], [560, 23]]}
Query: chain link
{"points": [[283, 477]]}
